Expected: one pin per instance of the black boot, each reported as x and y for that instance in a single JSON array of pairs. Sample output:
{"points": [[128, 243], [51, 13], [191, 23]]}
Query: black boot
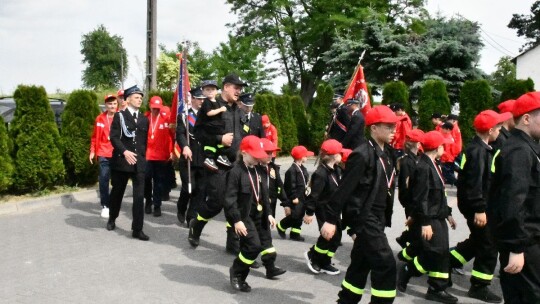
{"points": [[403, 278], [441, 296], [238, 281], [148, 207], [195, 230], [483, 293], [272, 271]]}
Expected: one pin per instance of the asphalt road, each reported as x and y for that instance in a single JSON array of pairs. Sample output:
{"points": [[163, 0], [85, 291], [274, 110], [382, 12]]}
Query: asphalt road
{"points": [[60, 252]]}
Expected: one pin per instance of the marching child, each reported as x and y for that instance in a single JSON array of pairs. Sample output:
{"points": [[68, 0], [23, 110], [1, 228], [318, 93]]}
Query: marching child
{"points": [[296, 179], [324, 182], [275, 184]]}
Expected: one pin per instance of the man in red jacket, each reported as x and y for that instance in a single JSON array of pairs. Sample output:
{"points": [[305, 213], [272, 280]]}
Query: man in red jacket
{"points": [[403, 126], [100, 146], [270, 132], [158, 154]]}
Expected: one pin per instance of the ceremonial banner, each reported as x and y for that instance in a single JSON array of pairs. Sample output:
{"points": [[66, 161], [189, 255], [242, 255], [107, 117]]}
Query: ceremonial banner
{"points": [[358, 89]]}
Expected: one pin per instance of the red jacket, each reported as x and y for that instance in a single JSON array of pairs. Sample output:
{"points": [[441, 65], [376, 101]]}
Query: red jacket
{"points": [[100, 142], [159, 141], [403, 126], [450, 152], [456, 134], [271, 134]]}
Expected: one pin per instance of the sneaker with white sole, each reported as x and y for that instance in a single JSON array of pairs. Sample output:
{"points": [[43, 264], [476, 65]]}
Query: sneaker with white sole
{"points": [[210, 164], [312, 266], [224, 160], [105, 212], [329, 269]]}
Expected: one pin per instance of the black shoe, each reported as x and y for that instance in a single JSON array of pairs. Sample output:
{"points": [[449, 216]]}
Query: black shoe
{"points": [[255, 265], [401, 242], [273, 272], [281, 233], [111, 225], [224, 161], [192, 238], [297, 237], [403, 278], [210, 164], [237, 283], [140, 235], [181, 217], [484, 294], [441, 296], [157, 211], [329, 269], [313, 267], [148, 207], [165, 197]]}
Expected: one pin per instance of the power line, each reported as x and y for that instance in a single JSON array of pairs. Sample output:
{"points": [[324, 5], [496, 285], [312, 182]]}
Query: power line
{"points": [[496, 41], [497, 48]]}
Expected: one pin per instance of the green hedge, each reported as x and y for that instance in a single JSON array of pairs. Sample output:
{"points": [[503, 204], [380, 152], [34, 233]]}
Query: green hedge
{"points": [[300, 118], [433, 99], [319, 114], [77, 124], [37, 146], [288, 134], [475, 96], [6, 163], [397, 92], [514, 89]]}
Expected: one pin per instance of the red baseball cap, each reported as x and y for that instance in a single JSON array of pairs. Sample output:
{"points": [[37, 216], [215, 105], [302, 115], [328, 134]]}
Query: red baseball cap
{"points": [[331, 147], [488, 119], [381, 114], [253, 146], [265, 119], [156, 102], [345, 155], [120, 93], [526, 103], [506, 106], [434, 139], [299, 152], [165, 111], [109, 97], [269, 146], [415, 135]]}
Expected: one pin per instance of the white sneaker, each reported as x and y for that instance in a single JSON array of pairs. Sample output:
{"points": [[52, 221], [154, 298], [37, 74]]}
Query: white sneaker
{"points": [[105, 212]]}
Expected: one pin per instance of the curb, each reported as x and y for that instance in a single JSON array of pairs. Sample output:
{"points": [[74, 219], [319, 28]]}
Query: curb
{"points": [[57, 199]]}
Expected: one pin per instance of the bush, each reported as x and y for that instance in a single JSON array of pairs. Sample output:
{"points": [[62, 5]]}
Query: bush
{"points": [[265, 104], [514, 89], [37, 145], [397, 92], [475, 96], [300, 118], [289, 135], [77, 125], [319, 114], [6, 163], [166, 96], [433, 99]]}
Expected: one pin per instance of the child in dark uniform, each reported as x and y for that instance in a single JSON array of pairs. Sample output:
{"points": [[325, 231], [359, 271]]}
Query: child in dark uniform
{"points": [[275, 184]]}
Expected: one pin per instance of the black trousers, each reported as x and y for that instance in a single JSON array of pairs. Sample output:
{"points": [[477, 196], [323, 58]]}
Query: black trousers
{"points": [[524, 287], [323, 251], [156, 182], [119, 181], [433, 256], [187, 202], [481, 246], [371, 253], [273, 204], [294, 220]]}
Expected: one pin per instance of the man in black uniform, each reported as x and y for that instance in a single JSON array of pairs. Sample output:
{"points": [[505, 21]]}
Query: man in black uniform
{"points": [[129, 131], [355, 129], [365, 196], [251, 121], [514, 204], [193, 197], [340, 120], [504, 107], [215, 181]]}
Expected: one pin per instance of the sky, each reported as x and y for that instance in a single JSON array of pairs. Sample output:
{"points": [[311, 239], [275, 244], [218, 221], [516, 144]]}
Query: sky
{"points": [[40, 40]]}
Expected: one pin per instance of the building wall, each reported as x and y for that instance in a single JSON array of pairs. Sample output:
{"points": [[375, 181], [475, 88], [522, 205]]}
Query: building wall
{"points": [[528, 65]]}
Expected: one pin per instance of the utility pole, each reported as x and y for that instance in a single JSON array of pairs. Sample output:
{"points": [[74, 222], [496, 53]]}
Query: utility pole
{"points": [[151, 36]]}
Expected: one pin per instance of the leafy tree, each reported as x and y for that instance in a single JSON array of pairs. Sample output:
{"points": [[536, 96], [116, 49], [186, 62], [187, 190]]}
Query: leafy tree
{"points": [[199, 65], [475, 97], [287, 124], [528, 26], [396, 92], [167, 72], [77, 125], [319, 114], [265, 104], [166, 96], [514, 89], [505, 72], [6, 163], [433, 99], [37, 146], [300, 118], [105, 57]]}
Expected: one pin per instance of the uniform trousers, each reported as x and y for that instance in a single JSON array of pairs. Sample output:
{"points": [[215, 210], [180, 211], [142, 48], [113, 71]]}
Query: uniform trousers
{"points": [[523, 287], [323, 251], [191, 202], [156, 182], [293, 220], [371, 253], [481, 246], [119, 180]]}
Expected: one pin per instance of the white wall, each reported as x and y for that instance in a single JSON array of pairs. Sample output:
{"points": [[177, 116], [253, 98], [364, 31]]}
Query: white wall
{"points": [[528, 65]]}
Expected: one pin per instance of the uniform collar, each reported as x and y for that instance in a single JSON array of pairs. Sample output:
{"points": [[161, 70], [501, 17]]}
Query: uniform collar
{"points": [[478, 140], [532, 143]]}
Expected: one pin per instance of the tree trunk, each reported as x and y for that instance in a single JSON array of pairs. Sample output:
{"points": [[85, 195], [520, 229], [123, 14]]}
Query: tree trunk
{"points": [[307, 89]]}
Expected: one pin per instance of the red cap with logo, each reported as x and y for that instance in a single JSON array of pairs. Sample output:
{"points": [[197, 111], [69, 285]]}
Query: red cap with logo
{"points": [[345, 155], [253, 146], [434, 139], [381, 114], [300, 152], [109, 97], [506, 106], [265, 119], [269, 146], [415, 135], [165, 111], [120, 93], [526, 103], [488, 119], [331, 147], [156, 102]]}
